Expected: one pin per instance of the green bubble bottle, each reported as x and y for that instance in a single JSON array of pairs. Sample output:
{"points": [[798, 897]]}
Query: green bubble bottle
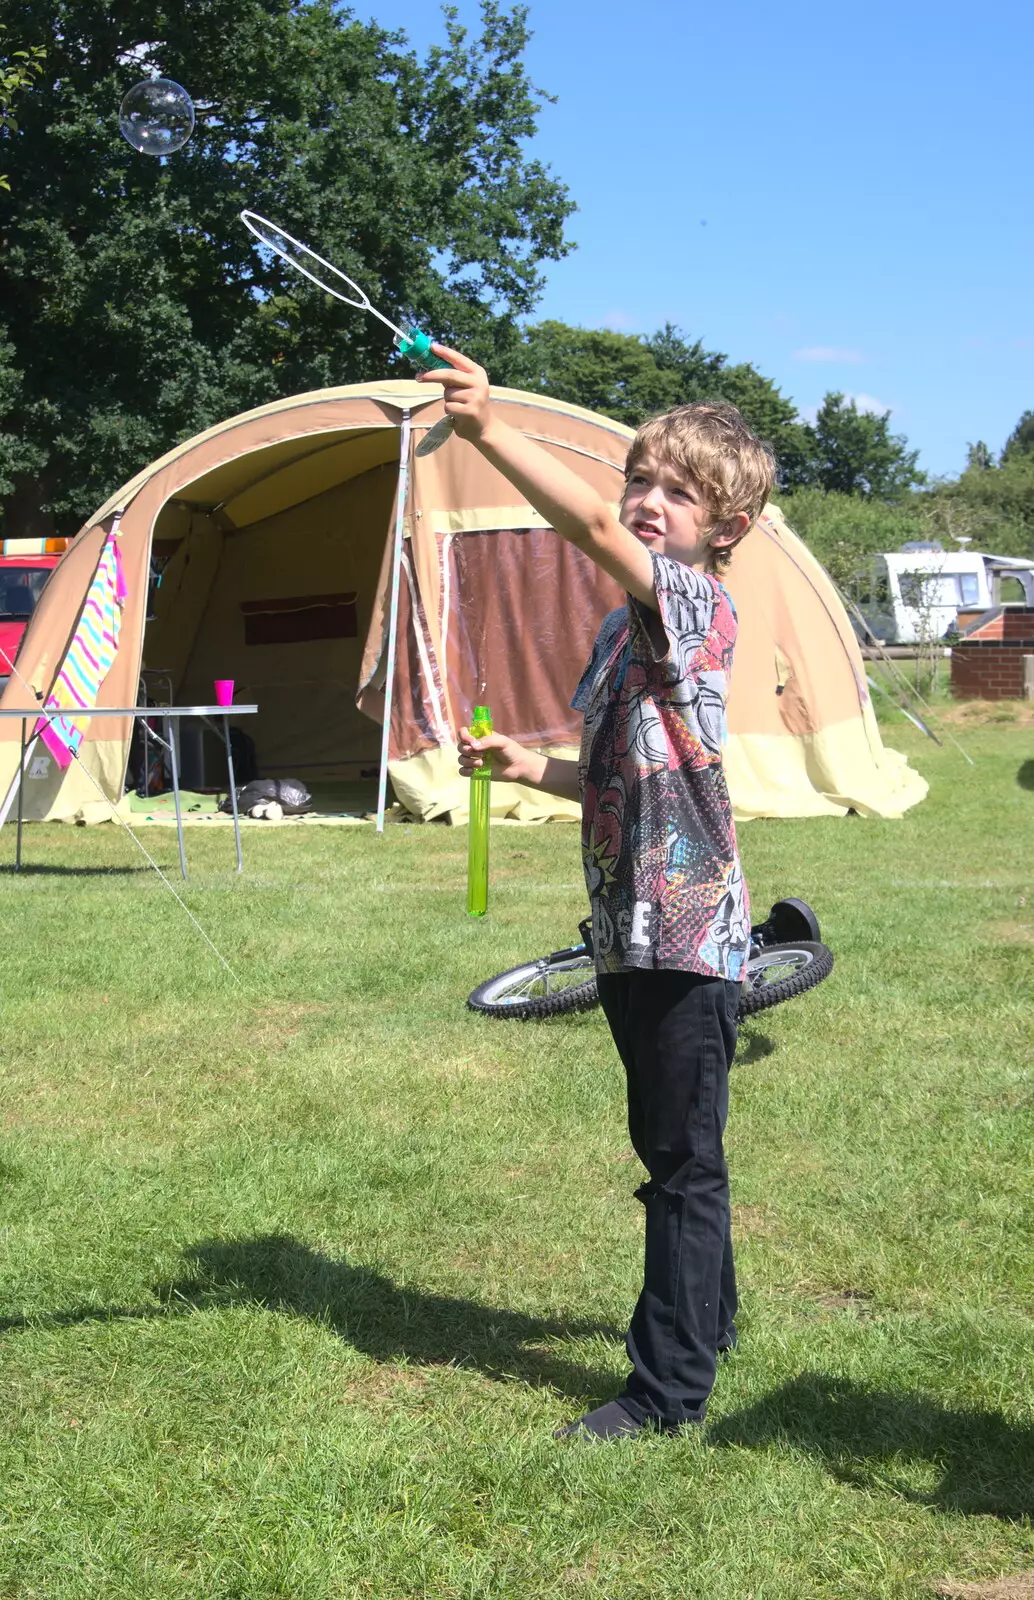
{"points": [[480, 811]]}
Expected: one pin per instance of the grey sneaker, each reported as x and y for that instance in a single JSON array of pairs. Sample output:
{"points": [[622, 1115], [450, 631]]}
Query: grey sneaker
{"points": [[606, 1422]]}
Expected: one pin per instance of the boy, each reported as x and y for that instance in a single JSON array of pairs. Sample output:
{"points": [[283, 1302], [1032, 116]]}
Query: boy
{"points": [[670, 918]]}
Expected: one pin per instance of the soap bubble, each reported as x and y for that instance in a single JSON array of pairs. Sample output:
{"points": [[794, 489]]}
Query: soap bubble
{"points": [[157, 117]]}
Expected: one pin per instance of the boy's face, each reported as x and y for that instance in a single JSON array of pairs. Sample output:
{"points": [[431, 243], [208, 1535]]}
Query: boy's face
{"points": [[667, 513]]}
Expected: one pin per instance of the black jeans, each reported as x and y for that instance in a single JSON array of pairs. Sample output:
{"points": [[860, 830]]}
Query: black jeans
{"points": [[676, 1034]]}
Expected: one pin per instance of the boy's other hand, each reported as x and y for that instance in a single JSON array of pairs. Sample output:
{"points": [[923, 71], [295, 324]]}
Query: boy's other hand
{"points": [[510, 762], [466, 391]]}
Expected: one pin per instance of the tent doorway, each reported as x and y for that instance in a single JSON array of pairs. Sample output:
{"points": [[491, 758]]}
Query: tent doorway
{"points": [[273, 584]]}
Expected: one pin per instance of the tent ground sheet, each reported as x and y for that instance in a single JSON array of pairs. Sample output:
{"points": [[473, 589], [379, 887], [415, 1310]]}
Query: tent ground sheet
{"points": [[342, 802]]}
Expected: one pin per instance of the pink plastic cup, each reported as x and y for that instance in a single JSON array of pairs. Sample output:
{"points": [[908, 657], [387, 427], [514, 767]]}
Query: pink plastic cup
{"points": [[224, 691]]}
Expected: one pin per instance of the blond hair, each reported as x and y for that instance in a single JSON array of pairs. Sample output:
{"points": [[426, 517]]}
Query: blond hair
{"points": [[710, 442]]}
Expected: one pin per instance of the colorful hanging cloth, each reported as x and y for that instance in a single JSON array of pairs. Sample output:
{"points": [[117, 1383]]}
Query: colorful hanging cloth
{"points": [[88, 660]]}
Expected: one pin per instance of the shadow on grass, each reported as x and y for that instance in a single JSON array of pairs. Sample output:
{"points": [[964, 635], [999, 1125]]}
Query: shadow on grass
{"points": [[367, 1310], [374, 1315], [1025, 776], [870, 1437], [39, 870], [752, 1047]]}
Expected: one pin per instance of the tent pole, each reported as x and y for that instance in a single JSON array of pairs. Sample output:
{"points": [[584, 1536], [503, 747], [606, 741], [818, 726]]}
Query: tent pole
{"points": [[402, 495]]}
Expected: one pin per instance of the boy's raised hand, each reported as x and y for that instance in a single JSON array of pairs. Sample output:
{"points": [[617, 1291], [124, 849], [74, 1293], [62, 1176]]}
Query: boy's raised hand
{"points": [[466, 391]]}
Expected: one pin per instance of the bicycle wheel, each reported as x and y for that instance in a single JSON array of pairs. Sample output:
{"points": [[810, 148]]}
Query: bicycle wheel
{"points": [[566, 982], [781, 971], [562, 982]]}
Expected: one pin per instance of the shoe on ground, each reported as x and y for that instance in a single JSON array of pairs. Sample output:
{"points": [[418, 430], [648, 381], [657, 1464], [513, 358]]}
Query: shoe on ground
{"points": [[610, 1421]]}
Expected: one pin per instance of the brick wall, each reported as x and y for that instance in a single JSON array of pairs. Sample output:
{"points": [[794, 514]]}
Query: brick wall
{"points": [[987, 662]]}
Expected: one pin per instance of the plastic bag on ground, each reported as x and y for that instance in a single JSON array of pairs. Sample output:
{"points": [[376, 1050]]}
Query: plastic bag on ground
{"points": [[289, 793]]}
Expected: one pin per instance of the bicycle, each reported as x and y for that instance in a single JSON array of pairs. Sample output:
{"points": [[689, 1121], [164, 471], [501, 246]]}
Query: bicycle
{"points": [[787, 957]]}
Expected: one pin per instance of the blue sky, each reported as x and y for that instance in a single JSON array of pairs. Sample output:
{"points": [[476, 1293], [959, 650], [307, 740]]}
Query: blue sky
{"points": [[840, 193]]}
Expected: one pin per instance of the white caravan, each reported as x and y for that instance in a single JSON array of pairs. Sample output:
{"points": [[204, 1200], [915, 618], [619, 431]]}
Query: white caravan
{"points": [[913, 595]]}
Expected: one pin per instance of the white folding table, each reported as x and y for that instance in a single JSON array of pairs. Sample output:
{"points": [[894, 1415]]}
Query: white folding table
{"points": [[164, 714]]}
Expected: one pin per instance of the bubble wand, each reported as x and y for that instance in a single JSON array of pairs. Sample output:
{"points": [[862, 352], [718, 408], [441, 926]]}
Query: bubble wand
{"points": [[416, 346], [480, 812]]}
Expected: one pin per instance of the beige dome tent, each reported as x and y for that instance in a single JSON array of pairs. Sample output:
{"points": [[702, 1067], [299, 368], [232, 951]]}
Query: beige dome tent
{"points": [[314, 558]]}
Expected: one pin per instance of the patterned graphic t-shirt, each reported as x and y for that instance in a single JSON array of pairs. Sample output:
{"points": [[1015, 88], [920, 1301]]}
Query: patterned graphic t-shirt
{"points": [[658, 840]]}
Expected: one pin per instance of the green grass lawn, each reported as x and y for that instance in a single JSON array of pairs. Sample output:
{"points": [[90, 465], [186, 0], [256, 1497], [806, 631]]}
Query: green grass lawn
{"points": [[297, 1277]]}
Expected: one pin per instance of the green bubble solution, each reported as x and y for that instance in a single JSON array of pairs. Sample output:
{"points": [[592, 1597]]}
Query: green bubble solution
{"points": [[480, 811]]}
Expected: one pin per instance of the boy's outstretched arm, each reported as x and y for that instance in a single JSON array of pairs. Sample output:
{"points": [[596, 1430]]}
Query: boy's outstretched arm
{"points": [[576, 512]]}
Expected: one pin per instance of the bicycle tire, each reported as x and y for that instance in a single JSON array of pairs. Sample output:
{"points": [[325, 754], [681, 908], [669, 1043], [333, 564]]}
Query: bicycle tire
{"points": [[809, 963], [508, 995]]}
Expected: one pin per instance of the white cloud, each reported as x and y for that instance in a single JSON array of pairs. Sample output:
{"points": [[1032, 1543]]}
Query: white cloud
{"points": [[864, 402], [869, 402], [619, 321], [830, 353]]}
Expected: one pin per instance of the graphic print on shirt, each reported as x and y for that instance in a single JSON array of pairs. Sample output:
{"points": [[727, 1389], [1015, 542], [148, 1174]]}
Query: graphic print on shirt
{"points": [[659, 846]]}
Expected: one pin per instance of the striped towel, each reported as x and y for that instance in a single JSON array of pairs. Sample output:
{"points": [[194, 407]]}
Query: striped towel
{"points": [[89, 658]]}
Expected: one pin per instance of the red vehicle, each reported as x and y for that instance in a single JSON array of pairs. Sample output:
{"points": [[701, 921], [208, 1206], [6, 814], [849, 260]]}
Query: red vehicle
{"points": [[25, 566]]}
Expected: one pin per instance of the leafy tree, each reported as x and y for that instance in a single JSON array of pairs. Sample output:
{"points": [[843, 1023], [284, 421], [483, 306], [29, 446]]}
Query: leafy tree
{"points": [[979, 457], [613, 373], [17, 458], [990, 504], [706, 375], [695, 372], [854, 452], [1021, 440], [17, 72], [630, 378], [844, 530], [994, 505], [134, 308]]}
